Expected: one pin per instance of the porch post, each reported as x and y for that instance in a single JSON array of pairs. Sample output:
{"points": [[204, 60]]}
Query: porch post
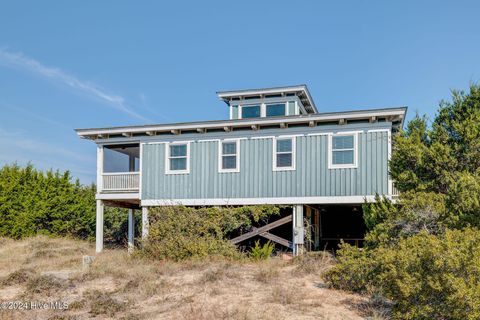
{"points": [[298, 229], [99, 227], [145, 225], [99, 168], [131, 228], [131, 163]]}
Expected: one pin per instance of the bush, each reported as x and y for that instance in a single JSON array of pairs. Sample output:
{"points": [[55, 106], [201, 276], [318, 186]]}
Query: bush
{"points": [[33, 202], [413, 213], [179, 233], [262, 252], [426, 276]]}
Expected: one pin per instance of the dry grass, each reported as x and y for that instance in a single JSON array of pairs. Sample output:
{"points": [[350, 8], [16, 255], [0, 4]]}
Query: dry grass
{"points": [[118, 286]]}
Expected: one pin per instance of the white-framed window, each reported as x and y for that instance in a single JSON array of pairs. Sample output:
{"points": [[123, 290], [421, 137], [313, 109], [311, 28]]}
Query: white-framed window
{"points": [[252, 111], [177, 158], [229, 155], [284, 153], [343, 150], [275, 109]]}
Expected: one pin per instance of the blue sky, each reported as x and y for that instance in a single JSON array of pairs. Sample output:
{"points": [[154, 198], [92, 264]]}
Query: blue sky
{"points": [[66, 65]]}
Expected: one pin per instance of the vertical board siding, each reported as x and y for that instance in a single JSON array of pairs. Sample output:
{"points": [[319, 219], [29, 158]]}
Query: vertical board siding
{"points": [[311, 178]]}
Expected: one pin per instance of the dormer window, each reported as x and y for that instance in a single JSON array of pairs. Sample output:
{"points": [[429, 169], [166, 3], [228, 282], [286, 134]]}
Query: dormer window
{"points": [[251, 112], [277, 109], [269, 102]]}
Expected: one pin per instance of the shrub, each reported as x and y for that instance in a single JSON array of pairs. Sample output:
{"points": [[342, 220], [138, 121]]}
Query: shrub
{"points": [[426, 276], [33, 202], [313, 262], [19, 276], [262, 252], [102, 303], [45, 284], [179, 233], [354, 270]]}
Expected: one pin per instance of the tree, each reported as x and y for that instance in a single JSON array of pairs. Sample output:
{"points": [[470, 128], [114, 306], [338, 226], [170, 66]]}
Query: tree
{"points": [[437, 170], [34, 202]]}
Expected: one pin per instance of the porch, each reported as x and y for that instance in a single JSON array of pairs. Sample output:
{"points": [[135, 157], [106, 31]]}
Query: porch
{"points": [[118, 169]]}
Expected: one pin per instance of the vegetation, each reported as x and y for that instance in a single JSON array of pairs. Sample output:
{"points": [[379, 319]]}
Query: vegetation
{"points": [[33, 202], [426, 276], [262, 252], [121, 286], [421, 257], [422, 253], [179, 232]]}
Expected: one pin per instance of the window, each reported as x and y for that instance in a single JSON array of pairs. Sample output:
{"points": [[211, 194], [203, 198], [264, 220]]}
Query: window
{"points": [[284, 154], [343, 153], [177, 158], [250, 112], [229, 158], [275, 109]]}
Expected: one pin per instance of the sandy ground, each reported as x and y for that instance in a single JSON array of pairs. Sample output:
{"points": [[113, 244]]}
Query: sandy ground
{"points": [[119, 286]]}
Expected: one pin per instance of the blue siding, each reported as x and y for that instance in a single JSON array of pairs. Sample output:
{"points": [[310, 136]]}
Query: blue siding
{"points": [[256, 179]]}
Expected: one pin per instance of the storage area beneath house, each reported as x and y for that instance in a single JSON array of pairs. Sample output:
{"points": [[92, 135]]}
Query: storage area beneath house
{"points": [[329, 224], [325, 226]]}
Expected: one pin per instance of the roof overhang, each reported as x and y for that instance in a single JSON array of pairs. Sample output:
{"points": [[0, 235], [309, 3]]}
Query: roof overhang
{"points": [[301, 91], [394, 115]]}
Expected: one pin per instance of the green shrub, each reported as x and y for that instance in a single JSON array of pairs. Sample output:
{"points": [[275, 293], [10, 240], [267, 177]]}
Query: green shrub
{"points": [[33, 202], [179, 233], [426, 276], [262, 252], [413, 213]]}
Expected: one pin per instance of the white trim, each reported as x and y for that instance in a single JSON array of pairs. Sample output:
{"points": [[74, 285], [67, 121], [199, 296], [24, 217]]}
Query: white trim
{"points": [[208, 140], [116, 173], [167, 157], [140, 158], [99, 168], [264, 91], [318, 134], [258, 201], [237, 156], [263, 110], [378, 130], [290, 135], [349, 132], [117, 196], [400, 112], [293, 152], [389, 156], [156, 142], [261, 137], [355, 150]]}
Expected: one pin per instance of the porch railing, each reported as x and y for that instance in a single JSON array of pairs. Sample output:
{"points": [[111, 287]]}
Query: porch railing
{"points": [[121, 181], [395, 191]]}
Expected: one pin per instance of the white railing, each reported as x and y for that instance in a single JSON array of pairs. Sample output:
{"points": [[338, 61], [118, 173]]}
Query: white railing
{"points": [[120, 181], [395, 191]]}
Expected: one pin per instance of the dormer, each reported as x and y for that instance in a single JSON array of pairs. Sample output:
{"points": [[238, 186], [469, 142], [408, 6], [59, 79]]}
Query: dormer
{"points": [[268, 102]]}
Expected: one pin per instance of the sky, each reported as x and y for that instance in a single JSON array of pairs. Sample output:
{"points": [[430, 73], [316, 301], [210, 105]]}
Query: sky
{"points": [[85, 64]]}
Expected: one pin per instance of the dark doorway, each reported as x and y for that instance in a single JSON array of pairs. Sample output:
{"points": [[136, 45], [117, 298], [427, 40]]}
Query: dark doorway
{"points": [[340, 222]]}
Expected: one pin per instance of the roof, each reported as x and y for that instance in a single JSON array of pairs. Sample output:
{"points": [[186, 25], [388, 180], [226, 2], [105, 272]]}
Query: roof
{"points": [[301, 91], [394, 115]]}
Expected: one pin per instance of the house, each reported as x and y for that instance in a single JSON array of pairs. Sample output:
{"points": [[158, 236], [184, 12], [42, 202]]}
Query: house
{"points": [[276, 148]]}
